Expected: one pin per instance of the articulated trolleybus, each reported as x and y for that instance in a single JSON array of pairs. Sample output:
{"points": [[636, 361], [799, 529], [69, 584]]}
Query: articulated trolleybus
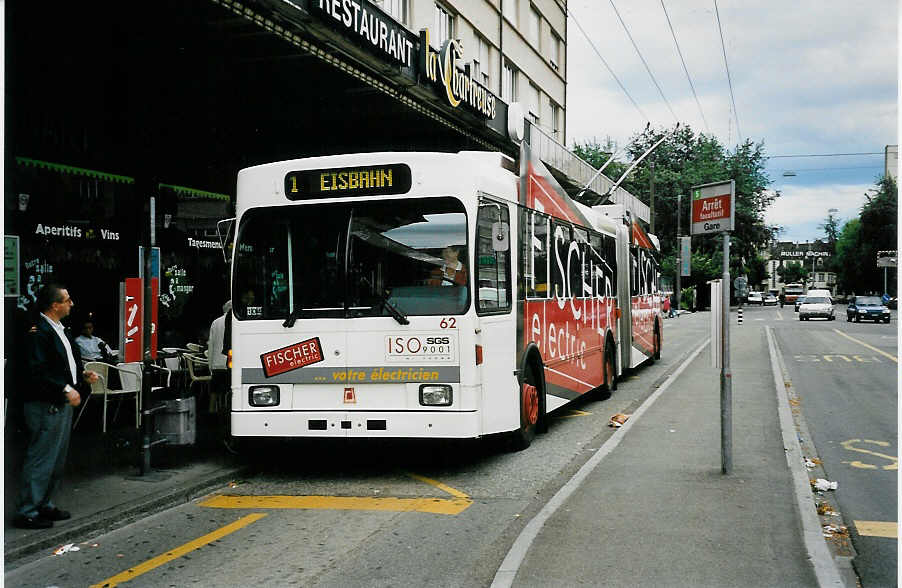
{"points": [[429, 295]]}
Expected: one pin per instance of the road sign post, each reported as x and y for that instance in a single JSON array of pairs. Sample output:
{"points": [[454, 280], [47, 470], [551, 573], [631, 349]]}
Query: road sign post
{"points": [[713, 211]]}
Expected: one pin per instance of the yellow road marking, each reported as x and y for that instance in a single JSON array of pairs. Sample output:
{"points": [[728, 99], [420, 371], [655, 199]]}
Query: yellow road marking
{"points": [[880, 351], [573, 413], [443, 487], [848, 445], [150, 564], [445, 506], [878, 529]]}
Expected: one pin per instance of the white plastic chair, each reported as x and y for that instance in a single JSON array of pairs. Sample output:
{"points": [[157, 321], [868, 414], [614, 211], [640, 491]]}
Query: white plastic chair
{"points": [[198, 369], [129, 385]]}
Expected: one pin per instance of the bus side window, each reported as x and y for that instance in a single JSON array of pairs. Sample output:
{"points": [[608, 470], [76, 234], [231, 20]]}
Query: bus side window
{"points": [[534, 253], [493, 274]]}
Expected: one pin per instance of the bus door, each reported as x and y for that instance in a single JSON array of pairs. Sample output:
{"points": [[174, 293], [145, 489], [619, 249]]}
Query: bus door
{"points": [[495, 327]]}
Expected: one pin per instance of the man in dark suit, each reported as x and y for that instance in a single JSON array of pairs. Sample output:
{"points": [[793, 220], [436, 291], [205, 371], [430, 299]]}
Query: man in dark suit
{"points": [[53, 372]]}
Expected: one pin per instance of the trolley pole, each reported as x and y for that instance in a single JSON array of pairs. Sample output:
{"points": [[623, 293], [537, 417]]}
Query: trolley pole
{"points": [[726, 377]]}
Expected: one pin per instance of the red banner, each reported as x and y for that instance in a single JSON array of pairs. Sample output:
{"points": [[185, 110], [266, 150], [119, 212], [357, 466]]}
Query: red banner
{"points": [[134, 319]]}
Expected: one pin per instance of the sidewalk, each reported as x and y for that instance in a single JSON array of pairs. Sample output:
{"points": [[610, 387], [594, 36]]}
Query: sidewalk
{"points": [[657, 511], [101, 487]]}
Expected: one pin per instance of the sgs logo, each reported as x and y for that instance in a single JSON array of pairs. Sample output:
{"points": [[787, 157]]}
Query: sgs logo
{"points": [[433, 347]]}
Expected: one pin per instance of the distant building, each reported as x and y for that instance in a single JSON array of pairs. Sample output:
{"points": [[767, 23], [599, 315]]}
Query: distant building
{"points": [[891, 161], [813, 256]]}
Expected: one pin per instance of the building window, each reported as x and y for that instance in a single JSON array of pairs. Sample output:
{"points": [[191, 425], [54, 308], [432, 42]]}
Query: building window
{"points": [[397, 9], [509, 83], [555, 121], [511, 7], [481, 65], [555, 52], [534, 104], [444, 25], [535, 20]]}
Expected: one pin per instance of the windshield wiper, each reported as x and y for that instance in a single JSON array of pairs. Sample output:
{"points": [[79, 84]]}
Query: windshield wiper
{"points": [[387, 304], [294, 316]]}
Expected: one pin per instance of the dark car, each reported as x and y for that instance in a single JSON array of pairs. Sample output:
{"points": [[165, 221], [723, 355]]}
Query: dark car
{"points": [[799, 302], [867, 308]]}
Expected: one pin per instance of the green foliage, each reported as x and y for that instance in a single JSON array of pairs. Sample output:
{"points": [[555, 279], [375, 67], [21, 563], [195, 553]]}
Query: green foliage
{"points": [[791, 272], [859, 241], [687, 159]]}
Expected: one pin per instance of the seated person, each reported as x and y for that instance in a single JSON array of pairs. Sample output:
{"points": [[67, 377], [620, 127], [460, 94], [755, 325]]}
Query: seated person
{"points": [[452, 272], [92, 348]]}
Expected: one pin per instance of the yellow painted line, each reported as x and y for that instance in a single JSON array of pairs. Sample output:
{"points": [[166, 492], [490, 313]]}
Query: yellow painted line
{"points": [[849, 445], [156, 562], [445, 506], [435, 483], [878, 529], [880, 351], [573, 413]]}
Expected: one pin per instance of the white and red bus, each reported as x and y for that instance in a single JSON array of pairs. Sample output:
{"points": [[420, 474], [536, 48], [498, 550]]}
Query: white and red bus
{"points": [[428, 295]]}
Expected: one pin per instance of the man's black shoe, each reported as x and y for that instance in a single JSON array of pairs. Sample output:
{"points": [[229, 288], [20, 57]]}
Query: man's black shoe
{"points": [[54, 514], [37, 522]]}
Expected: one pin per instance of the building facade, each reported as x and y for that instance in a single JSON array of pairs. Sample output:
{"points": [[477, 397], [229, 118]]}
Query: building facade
{"points": [[815, 257], [116, 102]]}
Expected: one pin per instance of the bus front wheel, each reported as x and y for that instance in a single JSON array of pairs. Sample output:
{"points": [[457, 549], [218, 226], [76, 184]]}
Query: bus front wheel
{"points": [[530, 410]]}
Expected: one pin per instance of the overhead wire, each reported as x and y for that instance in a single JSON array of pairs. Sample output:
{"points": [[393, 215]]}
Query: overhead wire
{"points": [[827, 154], [611, 71], [685, 69], [727, 66], [645, 63]]}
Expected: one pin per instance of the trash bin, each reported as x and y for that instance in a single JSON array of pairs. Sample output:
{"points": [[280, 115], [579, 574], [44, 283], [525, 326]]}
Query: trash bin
{"points": [[177, 422]]}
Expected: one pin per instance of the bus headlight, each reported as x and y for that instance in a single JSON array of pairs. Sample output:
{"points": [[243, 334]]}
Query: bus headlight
{"points": [[263, 396], [435, 395]]}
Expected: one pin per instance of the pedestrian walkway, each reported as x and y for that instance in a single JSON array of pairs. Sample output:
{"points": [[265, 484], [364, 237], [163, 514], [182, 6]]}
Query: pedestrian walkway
{"points": [[657, 511], [102, 488]]}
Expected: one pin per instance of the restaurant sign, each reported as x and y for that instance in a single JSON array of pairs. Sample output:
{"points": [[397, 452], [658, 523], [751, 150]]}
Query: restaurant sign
{"points": [[369, 26], [458, 85]]}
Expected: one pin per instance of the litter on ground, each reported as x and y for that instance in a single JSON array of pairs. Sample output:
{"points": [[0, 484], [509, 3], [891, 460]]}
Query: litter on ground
{"points": [[824, 485], [618, 420], [66, 549]]}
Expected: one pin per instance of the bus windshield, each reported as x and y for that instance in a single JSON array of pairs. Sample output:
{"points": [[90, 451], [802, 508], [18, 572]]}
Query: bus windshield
{"points": [[352, 259]]}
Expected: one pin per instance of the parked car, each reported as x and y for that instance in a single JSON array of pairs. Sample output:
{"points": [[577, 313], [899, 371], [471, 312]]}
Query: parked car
{"points": [[867, 308], [770, 299], [893, 303], [816, 306], [799, 302], [755, 298]]}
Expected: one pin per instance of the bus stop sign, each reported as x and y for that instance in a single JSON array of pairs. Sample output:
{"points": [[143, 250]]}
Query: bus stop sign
{"points": [[713, 209]]}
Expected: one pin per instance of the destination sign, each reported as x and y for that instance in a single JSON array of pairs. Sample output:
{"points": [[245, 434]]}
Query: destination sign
{"points": [[375, 180]]}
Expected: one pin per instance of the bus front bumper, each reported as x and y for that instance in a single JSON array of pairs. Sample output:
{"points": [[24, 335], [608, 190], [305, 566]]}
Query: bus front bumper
{"points": [[419, 424]]}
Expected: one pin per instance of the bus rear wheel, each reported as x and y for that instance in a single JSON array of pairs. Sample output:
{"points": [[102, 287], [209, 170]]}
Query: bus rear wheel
{"points": [[530, 411]]}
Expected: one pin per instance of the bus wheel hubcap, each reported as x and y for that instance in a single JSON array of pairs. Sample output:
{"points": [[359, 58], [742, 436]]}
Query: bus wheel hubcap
{"points": [[530, 404]]}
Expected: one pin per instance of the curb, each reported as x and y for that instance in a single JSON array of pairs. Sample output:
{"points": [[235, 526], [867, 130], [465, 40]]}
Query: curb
{"points": [[825, 567], [121, 515]]}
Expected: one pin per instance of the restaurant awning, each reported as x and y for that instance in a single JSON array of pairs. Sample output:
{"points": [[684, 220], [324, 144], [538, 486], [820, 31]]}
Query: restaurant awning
{"points": [[71, 169], [193, 193]]}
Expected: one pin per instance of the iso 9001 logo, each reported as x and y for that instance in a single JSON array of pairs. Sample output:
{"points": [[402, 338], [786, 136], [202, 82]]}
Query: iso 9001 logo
{"points": [[431, 347]]}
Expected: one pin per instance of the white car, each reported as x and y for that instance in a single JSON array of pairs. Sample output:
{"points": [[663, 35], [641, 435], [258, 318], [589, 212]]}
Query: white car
{"points": [[770, 299], [816, 306], [755, 298]]}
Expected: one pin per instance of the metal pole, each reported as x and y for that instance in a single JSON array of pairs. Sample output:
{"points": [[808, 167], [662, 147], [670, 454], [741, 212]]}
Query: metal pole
{"points": [[884, 280], [679, 258], [651, 212], [726, 383], [146, 428]]}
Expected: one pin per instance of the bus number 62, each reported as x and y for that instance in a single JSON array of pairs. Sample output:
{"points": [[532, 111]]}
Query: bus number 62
{"points": [[448, 323]]}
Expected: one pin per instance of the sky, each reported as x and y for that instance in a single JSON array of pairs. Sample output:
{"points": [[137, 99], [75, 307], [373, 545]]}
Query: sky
{"points": [[808, 77]]}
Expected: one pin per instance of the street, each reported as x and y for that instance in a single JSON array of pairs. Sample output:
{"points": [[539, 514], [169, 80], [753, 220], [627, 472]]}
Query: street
{"points": [[360, 514], [845, 375], [412, 513]]}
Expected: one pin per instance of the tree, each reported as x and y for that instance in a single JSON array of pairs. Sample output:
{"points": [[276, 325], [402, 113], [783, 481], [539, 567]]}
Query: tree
{"points": [[792, 272], [685, 159], [860, 239]]}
